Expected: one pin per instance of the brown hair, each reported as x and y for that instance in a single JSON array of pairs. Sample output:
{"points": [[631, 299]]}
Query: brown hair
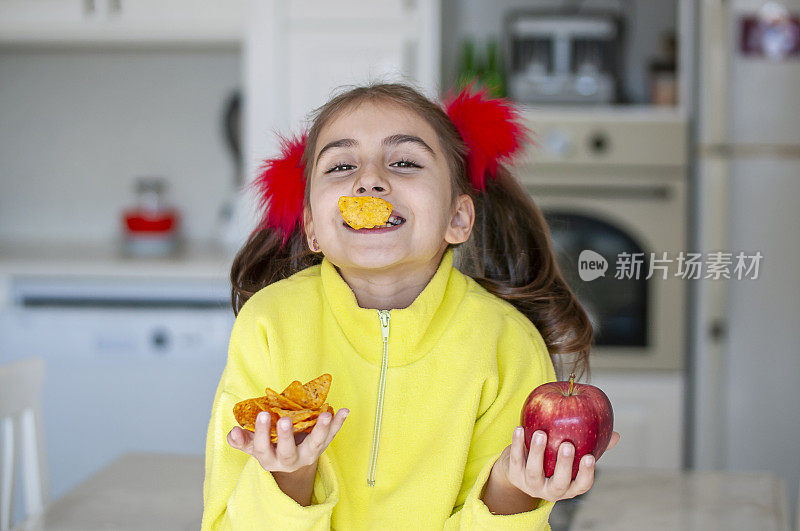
{"points": [[509, 251]]}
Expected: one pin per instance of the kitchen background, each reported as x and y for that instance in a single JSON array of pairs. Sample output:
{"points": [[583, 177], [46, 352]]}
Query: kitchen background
{"points": [[128, 129]]}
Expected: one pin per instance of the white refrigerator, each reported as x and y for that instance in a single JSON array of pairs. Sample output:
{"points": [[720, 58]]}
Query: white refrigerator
{"points": [[745, 352]]}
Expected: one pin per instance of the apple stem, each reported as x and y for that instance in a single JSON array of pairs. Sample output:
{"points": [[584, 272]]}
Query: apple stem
{"points": [[571, 381]]}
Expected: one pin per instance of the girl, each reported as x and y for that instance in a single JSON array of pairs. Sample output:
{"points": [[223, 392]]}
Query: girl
{"points": [[435, 330]]}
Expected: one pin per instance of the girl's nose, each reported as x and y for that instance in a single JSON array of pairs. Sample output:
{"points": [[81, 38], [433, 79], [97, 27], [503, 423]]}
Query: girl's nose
{"points": [[362, 190], [371, 179]]}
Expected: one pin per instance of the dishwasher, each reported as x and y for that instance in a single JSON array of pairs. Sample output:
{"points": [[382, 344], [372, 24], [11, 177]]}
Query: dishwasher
{"points": [[132, 364]]}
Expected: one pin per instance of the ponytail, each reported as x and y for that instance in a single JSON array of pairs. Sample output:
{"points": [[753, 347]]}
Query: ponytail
{"points": [[510, 254], [262, 260]]}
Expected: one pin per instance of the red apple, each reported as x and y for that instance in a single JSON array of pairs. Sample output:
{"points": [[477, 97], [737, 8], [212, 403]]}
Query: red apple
{"points": [[568, 411]]}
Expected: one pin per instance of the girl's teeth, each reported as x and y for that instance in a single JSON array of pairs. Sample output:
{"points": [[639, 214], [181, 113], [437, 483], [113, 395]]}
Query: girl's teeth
{"points": [[392, 222]]}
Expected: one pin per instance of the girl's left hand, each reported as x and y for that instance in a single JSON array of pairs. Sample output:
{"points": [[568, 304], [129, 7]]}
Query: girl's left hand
{"points": [[528, 474]]}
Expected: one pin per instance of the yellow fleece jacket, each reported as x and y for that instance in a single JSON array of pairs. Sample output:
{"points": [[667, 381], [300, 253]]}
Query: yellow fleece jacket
{"points": [[434, 390]]}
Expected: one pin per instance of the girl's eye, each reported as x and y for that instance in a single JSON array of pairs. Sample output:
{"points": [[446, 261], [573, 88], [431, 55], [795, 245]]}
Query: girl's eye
{"points": [[406, 164], [334, 169], [402, 163]]}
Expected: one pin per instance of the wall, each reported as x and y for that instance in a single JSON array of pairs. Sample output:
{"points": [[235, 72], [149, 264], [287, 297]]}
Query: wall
{"points": [[78, 126]]}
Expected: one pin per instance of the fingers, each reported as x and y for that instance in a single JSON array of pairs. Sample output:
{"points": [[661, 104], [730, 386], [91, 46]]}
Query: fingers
{"points": [[534, 468], [241, 439], [517, 455], [262, 448], [316, 441], [559, 482], [585, 478], [287, 454], [613, 441], [286, 450], [234, 439], [336, 424], [560, 485]]}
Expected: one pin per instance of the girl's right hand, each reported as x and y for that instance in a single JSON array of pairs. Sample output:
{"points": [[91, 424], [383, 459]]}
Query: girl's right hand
{"points": [[286, 455]]}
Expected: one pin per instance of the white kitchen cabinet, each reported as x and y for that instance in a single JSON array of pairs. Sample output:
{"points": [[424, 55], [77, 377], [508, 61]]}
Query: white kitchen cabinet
{"points": [[648, 414], [121, 21], [350, 10], [345, 61], [297, 53]]}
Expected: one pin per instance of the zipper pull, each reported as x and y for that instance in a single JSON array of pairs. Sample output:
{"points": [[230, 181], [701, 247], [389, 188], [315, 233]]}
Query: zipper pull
{"points": [[384, 317]]}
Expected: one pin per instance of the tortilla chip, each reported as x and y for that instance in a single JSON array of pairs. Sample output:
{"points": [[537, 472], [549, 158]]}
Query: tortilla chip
{"points": [[281, 400], [296, 415], [317, 390], [365, 212], [246, 411], [301, 403], [296, 392]]}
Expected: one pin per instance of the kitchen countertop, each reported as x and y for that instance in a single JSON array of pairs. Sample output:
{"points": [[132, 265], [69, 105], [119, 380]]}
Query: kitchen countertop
{"points": [[636, 499], [194, 260], [136, 491], [160, 491]]}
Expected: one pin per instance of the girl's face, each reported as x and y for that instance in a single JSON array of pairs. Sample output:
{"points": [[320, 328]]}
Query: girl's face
{"points": [[386, 151]]}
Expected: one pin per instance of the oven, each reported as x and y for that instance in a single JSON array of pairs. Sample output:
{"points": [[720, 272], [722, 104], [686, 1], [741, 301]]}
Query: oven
{"points": [[614, 192]]}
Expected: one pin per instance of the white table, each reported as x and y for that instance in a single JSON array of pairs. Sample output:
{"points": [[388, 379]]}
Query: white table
{"points": [[636, 499], [137, 491], [165, 492]]}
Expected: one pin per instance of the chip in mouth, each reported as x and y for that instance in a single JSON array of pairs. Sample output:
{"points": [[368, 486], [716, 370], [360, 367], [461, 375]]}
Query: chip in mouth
{"points": [[365, 212]]}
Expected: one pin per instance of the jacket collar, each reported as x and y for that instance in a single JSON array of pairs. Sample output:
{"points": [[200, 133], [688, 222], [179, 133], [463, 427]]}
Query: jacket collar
{"points": [[412, 331]]}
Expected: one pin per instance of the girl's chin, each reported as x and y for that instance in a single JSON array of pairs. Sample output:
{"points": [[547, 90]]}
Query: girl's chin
{"points": [[377, 252], [376, 255]]}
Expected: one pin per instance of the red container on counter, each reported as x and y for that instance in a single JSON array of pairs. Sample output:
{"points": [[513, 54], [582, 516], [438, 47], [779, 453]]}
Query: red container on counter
{"points": [[150, 228]]}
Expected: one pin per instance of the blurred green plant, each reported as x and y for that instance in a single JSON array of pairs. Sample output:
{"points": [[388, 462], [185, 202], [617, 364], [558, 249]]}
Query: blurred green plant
{"points": [[483, 67]]}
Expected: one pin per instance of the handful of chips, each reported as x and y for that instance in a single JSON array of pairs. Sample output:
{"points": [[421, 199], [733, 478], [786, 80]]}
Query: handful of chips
{"points": [[365, 212], [303, 403]]}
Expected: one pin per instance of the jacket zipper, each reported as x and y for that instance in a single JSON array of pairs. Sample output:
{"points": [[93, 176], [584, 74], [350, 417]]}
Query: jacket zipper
{"points": [[383, 315]]}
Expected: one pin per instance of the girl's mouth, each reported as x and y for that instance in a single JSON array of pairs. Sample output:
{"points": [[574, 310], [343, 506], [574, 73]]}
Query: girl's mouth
{"points": [[393, 224]]}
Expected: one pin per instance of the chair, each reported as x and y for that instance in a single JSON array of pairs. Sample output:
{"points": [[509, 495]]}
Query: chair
{"points": [[21, 428]]}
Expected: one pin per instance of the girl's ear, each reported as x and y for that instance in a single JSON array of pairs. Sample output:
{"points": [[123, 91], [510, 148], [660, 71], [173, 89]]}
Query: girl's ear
{"points": [[461, 223], [308, 226]]}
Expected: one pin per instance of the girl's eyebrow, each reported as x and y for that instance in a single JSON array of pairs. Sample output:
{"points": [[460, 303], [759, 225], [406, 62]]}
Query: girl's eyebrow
{"points": [[395, 140], [392, 140]]}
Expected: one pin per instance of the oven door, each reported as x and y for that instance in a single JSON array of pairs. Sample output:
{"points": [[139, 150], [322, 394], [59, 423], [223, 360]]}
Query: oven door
{"points": [[639, 323]]}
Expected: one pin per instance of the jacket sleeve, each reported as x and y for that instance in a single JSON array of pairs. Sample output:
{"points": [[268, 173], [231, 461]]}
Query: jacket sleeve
{"points": [[523, 364], [237, 492]]}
